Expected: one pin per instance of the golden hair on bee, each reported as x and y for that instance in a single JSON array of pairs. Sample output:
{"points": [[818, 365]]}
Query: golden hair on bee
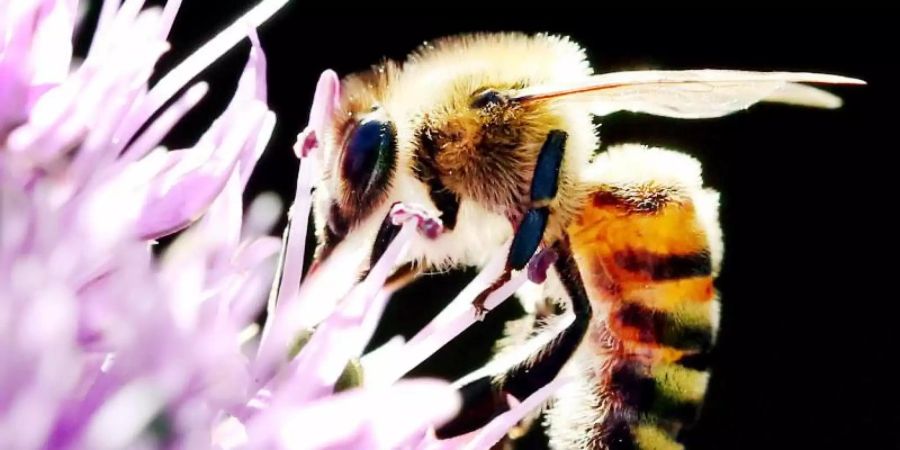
{"points": [[495, 134], [477, 140]]}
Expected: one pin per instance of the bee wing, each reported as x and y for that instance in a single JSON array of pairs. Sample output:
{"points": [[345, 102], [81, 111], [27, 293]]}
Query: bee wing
{"points": [[691, 94]]}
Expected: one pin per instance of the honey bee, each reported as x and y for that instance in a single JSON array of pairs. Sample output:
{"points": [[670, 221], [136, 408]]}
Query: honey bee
{"points": [[495, 133]]}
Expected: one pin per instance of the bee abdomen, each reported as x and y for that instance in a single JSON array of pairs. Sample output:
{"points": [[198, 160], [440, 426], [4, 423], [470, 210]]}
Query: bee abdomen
{"points": [[687, 330], [657, 372], [650, 264], [651, 404], [655, 376]]}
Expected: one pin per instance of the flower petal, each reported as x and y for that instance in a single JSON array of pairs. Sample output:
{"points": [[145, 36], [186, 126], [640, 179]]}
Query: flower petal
{"points": [[346, 331], [262, 215], [172, 82], [169, 13], [326, 100], [124, 416], [356, 419], [174, 204], [486, 437], [51, 47], [386, 368], [157, 130]]}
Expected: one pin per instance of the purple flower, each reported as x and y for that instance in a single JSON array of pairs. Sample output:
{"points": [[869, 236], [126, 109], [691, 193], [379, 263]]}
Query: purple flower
{"points": [[107, 345]]}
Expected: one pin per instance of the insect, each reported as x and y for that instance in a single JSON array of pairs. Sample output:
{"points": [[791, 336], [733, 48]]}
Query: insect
{"points": [[496, 134]]}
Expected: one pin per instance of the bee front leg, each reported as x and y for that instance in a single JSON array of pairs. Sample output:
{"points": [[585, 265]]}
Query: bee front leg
{"points": [[530, 232]]}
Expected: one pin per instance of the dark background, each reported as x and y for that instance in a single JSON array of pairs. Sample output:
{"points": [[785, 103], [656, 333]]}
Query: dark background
{"points": [[806, 351]]}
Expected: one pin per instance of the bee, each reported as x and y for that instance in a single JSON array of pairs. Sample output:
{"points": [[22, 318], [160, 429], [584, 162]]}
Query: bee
{"points": [[496, 134]]}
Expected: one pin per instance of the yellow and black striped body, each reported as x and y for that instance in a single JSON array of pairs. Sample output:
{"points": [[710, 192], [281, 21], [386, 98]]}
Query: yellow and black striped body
{"points": [[647, 248]]}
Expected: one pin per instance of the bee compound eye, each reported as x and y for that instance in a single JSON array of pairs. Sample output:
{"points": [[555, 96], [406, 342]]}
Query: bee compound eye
{"points": [[366, 146]]}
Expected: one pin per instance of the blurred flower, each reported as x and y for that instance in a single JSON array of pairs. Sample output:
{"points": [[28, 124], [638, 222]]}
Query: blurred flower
{"points": [[106, 345]]}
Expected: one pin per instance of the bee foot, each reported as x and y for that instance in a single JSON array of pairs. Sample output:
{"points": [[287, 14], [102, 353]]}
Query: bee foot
{"points": [[480, 309], [480, 302]]}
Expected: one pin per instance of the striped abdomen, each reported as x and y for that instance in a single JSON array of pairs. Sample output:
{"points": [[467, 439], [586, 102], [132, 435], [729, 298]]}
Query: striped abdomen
{"points": [[647, 258]]}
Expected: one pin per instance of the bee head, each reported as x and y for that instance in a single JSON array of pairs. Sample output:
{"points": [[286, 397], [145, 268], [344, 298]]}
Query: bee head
{"points": [[359, 154]]}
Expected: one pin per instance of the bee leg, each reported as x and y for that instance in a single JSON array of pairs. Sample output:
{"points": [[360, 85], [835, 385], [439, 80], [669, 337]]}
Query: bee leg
{"points": [[524, 380], [530, 231], [486, 397], [481, 402], [478, 303]]}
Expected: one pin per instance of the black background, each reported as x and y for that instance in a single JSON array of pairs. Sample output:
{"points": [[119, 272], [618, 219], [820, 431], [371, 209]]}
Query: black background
{"points": [[807, 343]]}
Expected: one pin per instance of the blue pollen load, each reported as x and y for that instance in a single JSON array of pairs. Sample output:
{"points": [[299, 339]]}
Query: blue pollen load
{"points": [[546, 172]]}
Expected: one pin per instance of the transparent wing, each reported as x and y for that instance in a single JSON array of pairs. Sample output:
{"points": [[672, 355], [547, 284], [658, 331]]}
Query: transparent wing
{"points": [[691, 94]]}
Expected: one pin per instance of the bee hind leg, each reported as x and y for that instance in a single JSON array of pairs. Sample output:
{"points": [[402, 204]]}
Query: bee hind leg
{"points": [[530, 231]]}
